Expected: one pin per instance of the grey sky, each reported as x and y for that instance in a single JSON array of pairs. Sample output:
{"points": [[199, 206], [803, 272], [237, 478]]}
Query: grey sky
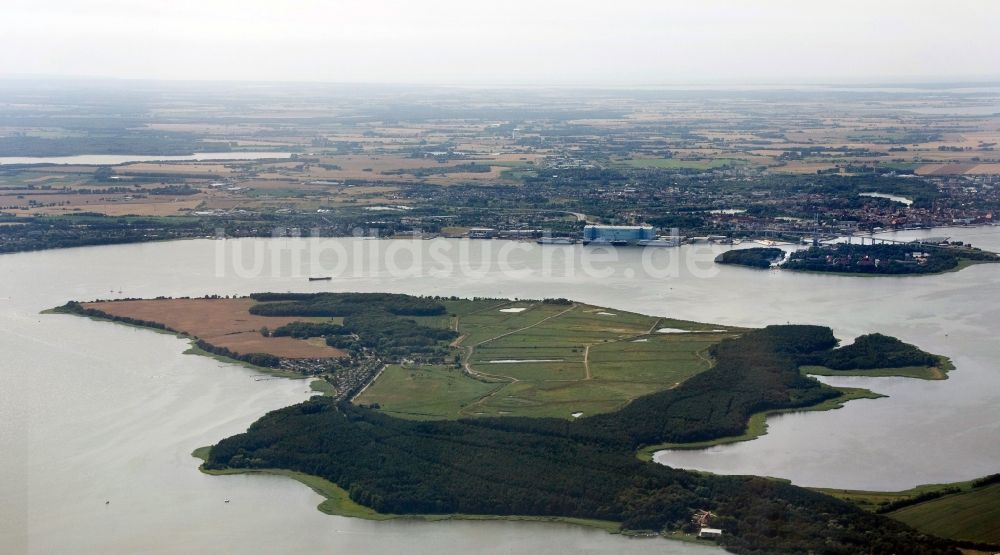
{"points": [[508, 41]]}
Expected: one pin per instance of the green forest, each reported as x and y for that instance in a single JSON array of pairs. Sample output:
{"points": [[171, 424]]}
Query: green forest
{"points": [[373, 322], [892, 259], [874, 351], [755, 258], [587, 468]]}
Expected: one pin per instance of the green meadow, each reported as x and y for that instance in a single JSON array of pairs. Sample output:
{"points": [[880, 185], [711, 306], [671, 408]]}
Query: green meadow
{"points": [[531, 358]]}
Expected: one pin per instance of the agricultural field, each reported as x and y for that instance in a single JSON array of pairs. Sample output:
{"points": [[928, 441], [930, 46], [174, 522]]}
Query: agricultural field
{"points": [[969, 515], [403, 163], [546, 359], [449, 358], [964, 511], [225, 323]]}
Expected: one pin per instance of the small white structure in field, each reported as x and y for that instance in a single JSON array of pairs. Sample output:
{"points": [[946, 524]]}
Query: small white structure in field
{"points": [[710, 533]]}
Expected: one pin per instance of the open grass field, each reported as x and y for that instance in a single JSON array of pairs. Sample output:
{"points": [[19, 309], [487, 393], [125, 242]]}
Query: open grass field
{"points": [[221, 322], [873, 500], [419, 392], [530, 358], [972, 515]]}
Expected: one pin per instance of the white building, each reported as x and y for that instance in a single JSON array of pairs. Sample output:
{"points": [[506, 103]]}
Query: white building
{"points": [[710, 533]]}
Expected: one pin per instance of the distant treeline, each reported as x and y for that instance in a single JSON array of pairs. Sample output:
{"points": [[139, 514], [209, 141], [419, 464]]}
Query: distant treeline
{"points": [[759, 257], [305, 330], [83, 229], [587, 468], [343, 304], [891, 259], [874, 351], [257, 359], [441, 170], [986, 481], [373, 322], [179, 190], [75, 307], [916, 500], [393, 337]]}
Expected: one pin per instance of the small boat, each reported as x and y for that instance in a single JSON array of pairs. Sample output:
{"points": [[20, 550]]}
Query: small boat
{"points": [[327, 278]]}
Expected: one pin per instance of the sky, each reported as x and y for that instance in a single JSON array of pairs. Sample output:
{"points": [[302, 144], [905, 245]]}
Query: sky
{"points": [[513, 42]]}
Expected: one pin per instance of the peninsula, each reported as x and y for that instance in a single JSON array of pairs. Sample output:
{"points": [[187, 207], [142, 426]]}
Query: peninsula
{"points": [[533, 409]]}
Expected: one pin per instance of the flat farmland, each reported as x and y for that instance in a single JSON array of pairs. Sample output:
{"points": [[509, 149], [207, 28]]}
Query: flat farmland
{"points": [[530, 358], [221, 322], [208, 170], [655, 359], [970, 515], [424, 391], [971, 168]]}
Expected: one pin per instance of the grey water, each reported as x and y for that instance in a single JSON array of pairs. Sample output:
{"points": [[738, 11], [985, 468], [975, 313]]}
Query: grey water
{"points": [[98, 420]]}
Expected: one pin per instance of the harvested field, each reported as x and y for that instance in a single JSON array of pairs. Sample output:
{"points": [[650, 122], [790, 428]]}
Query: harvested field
{"points": [[221, 322], [984, 169], [945, 169], [165, 206], [210, 170]]}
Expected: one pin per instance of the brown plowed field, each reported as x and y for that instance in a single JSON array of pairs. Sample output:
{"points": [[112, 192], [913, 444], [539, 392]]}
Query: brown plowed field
{"points": [[221, 322]]}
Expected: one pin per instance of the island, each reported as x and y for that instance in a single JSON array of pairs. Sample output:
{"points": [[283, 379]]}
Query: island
{"points": [[759, 257], [864, 260], [484, 408]]}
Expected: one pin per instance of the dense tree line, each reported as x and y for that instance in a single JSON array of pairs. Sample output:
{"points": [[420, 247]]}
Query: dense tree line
{"points": [[875, 351], [305, 330], [75, 307], [180, 190], [44, 232], [257, 359], [343, 304], [373, 322], [755, 258], [587, 468], [442, 170], [916, 499], [883, 259], [393, 337], [986, 481]]}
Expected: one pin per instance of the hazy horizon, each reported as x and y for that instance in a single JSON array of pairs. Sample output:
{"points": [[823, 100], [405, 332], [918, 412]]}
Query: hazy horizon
{"points": [[556, 43]]}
